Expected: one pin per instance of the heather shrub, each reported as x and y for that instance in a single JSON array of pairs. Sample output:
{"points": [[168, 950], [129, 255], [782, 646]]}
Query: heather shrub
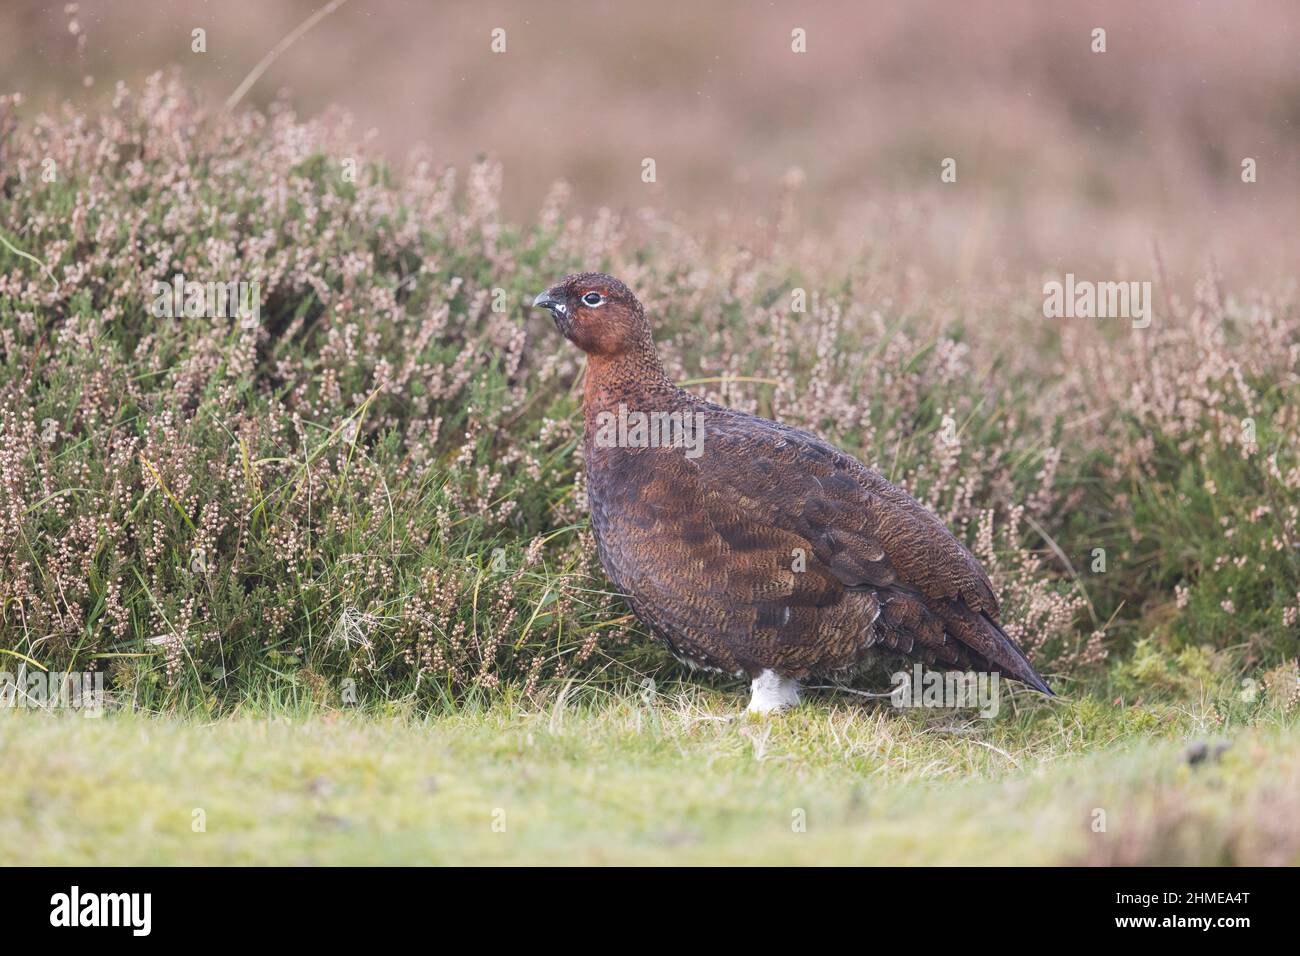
{"points": [[1198, 497], [372, 484]]}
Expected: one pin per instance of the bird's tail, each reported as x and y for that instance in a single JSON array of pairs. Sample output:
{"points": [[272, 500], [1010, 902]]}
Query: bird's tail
{"points": [[983, 635], [950, 635]]}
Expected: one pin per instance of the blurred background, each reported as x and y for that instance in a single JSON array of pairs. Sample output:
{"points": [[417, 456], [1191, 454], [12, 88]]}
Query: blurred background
{"points": [[1066, 159]]}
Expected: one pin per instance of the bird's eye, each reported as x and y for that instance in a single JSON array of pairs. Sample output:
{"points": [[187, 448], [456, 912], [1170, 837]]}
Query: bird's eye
{"points": [[593, 298]]}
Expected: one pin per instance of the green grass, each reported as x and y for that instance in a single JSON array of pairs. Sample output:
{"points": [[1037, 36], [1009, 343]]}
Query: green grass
{"points": [[679, 778]]}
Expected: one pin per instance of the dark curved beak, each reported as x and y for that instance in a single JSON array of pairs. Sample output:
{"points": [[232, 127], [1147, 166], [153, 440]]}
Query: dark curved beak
{"points": [[555, 302], [549, 300]]}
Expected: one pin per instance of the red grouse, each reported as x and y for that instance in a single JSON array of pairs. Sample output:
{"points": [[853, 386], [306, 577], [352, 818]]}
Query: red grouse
{"points": [[754, 548]]}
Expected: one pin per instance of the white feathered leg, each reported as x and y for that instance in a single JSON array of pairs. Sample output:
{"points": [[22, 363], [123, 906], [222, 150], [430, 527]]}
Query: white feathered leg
{"points": [[772, 692]]}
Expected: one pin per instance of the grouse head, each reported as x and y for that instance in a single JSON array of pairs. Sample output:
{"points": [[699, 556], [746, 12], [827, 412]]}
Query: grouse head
{"points": [[598, 314]]}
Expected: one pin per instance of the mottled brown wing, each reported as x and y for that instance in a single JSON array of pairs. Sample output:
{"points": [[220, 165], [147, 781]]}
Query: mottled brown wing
{"points": [[717, 584], [935, 601], [866, 531]]}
